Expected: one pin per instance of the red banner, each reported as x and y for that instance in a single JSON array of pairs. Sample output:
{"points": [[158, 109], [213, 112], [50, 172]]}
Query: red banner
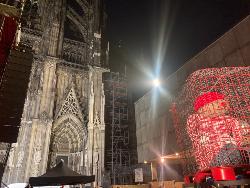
{"points": [[8, 32]]}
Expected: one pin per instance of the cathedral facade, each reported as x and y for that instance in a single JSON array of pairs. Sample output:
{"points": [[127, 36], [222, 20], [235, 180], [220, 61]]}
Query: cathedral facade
{"points": [[63, 116]]}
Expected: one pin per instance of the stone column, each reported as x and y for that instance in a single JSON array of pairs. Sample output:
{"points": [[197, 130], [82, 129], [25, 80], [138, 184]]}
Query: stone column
{"points": [[16, 171], [89, 145], [47, 106], [102, 136], [31, 154], [96, 125], [41, 127]]}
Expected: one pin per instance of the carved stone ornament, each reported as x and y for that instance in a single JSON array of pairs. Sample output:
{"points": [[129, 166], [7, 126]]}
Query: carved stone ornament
{"points": [[31, 38], [11, 158], [37, 157], [20, 159], [70, 106], [45, 118], [51, 62], [36, 79], [97, 119]]}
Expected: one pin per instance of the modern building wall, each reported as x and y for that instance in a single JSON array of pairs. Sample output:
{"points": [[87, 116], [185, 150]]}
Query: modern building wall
{"points": [[154, 128]]}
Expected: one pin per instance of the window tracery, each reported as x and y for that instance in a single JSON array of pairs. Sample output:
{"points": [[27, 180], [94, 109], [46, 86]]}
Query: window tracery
{"points": [[70, 106]]}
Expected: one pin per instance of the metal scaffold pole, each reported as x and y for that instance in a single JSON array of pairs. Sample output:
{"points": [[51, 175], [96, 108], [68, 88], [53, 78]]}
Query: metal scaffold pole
{"points": [[112, 132]]}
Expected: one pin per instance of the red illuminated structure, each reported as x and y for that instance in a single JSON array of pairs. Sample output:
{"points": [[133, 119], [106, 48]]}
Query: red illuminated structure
{"points": [[211, 116]]}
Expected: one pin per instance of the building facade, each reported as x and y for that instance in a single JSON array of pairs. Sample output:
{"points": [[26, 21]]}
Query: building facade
{"points": [[63, 115]]}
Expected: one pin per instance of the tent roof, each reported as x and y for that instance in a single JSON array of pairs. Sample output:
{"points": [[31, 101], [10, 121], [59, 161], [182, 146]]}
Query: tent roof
{"points": [[60, 175]]}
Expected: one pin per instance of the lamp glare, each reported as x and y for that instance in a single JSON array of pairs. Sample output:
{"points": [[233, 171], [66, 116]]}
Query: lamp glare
{"points": [[156, 82], [162, 159]]}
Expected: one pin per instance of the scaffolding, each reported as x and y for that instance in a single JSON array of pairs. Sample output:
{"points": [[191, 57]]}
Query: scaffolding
{"points": [[117, 156]]}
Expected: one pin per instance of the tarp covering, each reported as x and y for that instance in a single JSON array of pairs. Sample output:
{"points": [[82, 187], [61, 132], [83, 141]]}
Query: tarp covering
{"points": [[60, 175]]}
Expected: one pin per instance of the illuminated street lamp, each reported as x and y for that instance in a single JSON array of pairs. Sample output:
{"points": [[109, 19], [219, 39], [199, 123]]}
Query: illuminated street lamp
{"points": [[156, 82], [162, 159]]}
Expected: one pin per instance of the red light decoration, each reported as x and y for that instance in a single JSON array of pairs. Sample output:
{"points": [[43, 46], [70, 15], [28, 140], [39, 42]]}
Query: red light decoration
{"points": [[211, 117], [206, 98]]}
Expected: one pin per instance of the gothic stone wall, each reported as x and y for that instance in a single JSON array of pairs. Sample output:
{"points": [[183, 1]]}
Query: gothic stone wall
{"points": [[62, 118]]}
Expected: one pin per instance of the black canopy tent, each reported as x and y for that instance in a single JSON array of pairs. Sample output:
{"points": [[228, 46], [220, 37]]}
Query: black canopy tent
{"points": [[60, 175]]}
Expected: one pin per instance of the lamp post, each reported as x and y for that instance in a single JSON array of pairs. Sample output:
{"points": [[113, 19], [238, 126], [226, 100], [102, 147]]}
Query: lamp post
{"points": [[162, 169]]}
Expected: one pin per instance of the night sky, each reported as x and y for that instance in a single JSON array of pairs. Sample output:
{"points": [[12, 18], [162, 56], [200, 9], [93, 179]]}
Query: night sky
{"points": [[144, 34]]}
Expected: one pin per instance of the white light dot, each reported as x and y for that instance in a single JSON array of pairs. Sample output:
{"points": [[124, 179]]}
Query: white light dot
{"points": [[162, 159], [156, 82]]}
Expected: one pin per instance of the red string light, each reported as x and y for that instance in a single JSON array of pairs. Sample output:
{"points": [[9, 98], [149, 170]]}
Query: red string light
{"points": [[206, 98]]}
